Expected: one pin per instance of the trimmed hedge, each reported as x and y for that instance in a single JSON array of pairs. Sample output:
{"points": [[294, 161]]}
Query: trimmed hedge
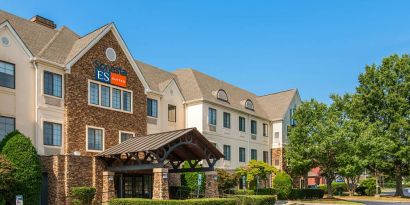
{"points": [[265, 191], [338, 187], [83, 195], [244, 192], [179, 192], [256, 199], [209, 201], [19, 150], [306, 194]]}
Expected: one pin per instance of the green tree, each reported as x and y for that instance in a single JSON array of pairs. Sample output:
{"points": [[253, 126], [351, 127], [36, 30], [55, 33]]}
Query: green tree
{"points": [[19, 150], [383, 100], [282, 183], [256, 170], [226, 180]]}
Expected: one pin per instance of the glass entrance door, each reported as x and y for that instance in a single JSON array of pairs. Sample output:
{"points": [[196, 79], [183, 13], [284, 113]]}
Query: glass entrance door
{"points": [[133, 186]]}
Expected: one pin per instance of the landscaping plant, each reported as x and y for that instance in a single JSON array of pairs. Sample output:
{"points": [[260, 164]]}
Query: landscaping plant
{"points": [[83, 195], [282, 183]]}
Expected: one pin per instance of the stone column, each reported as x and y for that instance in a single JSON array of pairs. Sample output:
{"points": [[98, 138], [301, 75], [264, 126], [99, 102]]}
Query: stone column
{"points": [[211, 187], [160, 187], [108, 187]]}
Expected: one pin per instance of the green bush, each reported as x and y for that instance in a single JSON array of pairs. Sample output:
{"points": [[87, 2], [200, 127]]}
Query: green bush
{"points": [[226, 180], [283, 184], [367, 187], [296, 194], [82, 195], [179, 192], [244, 192], [338, 187], [6, 176], [19, 150], [265, 191], [256, 199], [208, 201]]}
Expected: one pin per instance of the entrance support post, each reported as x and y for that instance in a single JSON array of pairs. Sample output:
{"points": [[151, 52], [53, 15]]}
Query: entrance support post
{"points": [[211, 188], [108, 187], [160, 187]]}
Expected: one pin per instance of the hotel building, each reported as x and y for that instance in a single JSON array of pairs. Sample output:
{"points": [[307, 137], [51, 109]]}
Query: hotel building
{"points": [[97, 117]]}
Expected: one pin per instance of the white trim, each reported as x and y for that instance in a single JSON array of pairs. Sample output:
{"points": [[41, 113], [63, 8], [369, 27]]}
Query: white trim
{"points": [[127, 132], [17, 37], [110, 27], [62, 132], [111, 87], [86, 138]]}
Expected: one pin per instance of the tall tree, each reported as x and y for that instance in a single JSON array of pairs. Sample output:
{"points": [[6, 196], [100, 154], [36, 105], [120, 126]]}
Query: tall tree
{"points": [[383, 100]]}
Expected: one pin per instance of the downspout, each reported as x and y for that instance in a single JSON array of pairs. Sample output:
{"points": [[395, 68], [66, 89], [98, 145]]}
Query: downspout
{"points": [[36, 102]]}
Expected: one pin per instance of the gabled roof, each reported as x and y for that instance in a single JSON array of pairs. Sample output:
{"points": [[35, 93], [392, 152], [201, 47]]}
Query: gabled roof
{"points": [[157, 79], [199, 86], [277, 104]]}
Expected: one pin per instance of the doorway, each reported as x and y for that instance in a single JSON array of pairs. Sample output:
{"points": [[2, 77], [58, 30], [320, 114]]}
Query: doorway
{"points": [[133, 185]]}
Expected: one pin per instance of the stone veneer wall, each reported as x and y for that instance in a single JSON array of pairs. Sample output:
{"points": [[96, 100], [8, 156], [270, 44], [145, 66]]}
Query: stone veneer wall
{"points": [[279, 153], [79, 113]]}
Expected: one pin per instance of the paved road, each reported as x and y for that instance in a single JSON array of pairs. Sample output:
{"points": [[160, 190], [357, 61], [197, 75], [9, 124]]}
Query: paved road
{"points": [[406, 192]]}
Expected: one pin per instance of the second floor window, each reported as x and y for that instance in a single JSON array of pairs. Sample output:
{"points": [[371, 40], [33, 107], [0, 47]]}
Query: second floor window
{"points": [[227, 120], [265, 156], [265, 129], [125, 136], [254, 154], [253, 127], [52, 84], [152, 107], [212, 116], [242, 154], [172, 113], [7, 75], [52, 134], [227, 152], [95, 139], [242, 124]]}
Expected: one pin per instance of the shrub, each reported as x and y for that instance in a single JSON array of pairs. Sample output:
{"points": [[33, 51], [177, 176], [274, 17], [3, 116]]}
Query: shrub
{"points": [[226, 180], [338, 187], [19, 150], [306, 194], [208, 201], [82, 195], [244, 192], [179, 192], [6, 176], [265, 191], [283, 184], [367, 187], [256, 199]]}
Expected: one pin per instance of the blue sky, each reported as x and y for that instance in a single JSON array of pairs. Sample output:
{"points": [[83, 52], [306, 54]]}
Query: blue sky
{"points": [[319, 47]]}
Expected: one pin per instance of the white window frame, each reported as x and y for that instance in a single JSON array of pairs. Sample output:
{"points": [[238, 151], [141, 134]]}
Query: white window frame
{"points": [[111, 88], [86, 138], [62, 132], [122, 131]]}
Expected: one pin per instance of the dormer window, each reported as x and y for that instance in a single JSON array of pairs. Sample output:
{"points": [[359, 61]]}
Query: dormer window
{"points": [[221, 95], [249, 105]]}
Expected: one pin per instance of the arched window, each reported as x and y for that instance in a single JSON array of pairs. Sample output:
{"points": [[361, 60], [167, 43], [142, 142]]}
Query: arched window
{"points": [[221, 95], [249, 105]]}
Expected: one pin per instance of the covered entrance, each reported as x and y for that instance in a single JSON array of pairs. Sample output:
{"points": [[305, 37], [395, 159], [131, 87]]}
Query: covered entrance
{"points": [[140, 166]]}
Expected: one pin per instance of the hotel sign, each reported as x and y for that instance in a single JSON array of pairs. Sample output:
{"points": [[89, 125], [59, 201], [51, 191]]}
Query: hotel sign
{"points": [[113, 75]]}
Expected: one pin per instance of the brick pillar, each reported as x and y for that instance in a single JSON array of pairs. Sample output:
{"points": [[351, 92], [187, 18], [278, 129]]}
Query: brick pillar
{"points": [[211, 186], [108, 187], [160, 187]]}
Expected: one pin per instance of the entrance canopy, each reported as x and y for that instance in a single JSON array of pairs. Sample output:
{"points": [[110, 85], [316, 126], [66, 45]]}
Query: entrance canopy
{"points": [[163, 150]]}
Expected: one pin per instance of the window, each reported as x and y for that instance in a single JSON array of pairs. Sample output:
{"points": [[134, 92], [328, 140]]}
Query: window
{"points": [[152, 107], [125, 136], [211, 116], [291, 116], [105, 96], [265, 156], [249, 105], [227, 152], [52, 134], [242, 124], [7, 125], [95, 139], [254, 154], [109, 97], [7, 75], [94, 94], [172, 113], [253, 127], [221, 95], [276, 139], [52, 84], [276, 162], [116, 98], [242, 154], [265, 129], [227, 120]]}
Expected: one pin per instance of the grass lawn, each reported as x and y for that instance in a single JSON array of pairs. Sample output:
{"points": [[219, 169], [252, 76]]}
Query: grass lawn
{"points": [[329, 201], [372, 198]]}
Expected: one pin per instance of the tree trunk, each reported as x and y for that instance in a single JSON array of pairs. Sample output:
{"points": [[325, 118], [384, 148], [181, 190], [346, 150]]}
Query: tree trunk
{"points": [[329, 187], [399, 180], [351, 185]]}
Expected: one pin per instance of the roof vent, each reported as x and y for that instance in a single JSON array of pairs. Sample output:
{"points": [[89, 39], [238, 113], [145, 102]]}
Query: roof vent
{"points": [[43, 21]]}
